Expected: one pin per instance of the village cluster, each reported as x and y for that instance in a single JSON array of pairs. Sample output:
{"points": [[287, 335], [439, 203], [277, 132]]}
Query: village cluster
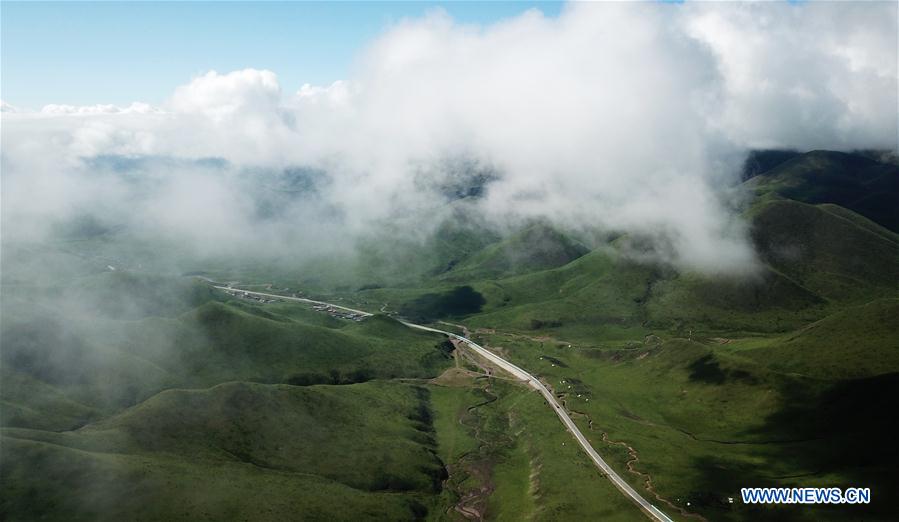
{"points": [[339, 313], [333, 311], [251, 297]]}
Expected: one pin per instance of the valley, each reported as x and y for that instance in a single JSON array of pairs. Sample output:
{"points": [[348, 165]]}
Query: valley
{"points": [[438, 395], [459, 261]]}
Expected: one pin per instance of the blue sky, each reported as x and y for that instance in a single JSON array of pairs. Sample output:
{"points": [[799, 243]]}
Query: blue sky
{"points": [[84, 53]]}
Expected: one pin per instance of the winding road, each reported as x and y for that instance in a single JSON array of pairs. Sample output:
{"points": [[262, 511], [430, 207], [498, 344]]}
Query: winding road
{"points": [[650, 510]]}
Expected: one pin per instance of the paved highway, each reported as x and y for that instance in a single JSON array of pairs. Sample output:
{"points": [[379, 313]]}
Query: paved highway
{"points": [[650, 510]]}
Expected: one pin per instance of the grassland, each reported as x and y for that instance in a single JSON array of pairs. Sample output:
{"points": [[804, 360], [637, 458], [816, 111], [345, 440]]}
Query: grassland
{"points": [[66, 365], [250, 451], [718, 383], [139, 394], [509, 458], [710, 416], [128, 396]]}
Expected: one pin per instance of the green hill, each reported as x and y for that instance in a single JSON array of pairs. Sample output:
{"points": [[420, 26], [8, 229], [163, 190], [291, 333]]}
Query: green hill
{"points": [[815, 258], [828, 250], [854, 181], [537, 247], [605, 294], [65, 361], [138, 395], [861, 341], [113, 406], [235, 451], [761, 161], [707, 417], [763, 302]]}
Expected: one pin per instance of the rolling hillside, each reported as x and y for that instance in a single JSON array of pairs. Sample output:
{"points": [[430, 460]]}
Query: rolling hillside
{"points": [[536, 247], [829, 250], [858, 182], [95, 347], [237, 450], [128, 388]]}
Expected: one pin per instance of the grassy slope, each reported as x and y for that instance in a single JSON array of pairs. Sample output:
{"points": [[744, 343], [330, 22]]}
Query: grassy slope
{"points": [[239, 450], [60, 372], [604, 296], [506, 440], [861, 341], [828, 250], [840, 258], [853, 181], [80, 351], [707, 420], [537, 247], [761, 409], [817, 259]]}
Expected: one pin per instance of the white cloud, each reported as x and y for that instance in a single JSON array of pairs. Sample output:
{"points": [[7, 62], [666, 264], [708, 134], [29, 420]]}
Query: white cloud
{"points": [[219, 96], [337, 94], [820, 75], [5, 107], [134, 108], [627, 116]]}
